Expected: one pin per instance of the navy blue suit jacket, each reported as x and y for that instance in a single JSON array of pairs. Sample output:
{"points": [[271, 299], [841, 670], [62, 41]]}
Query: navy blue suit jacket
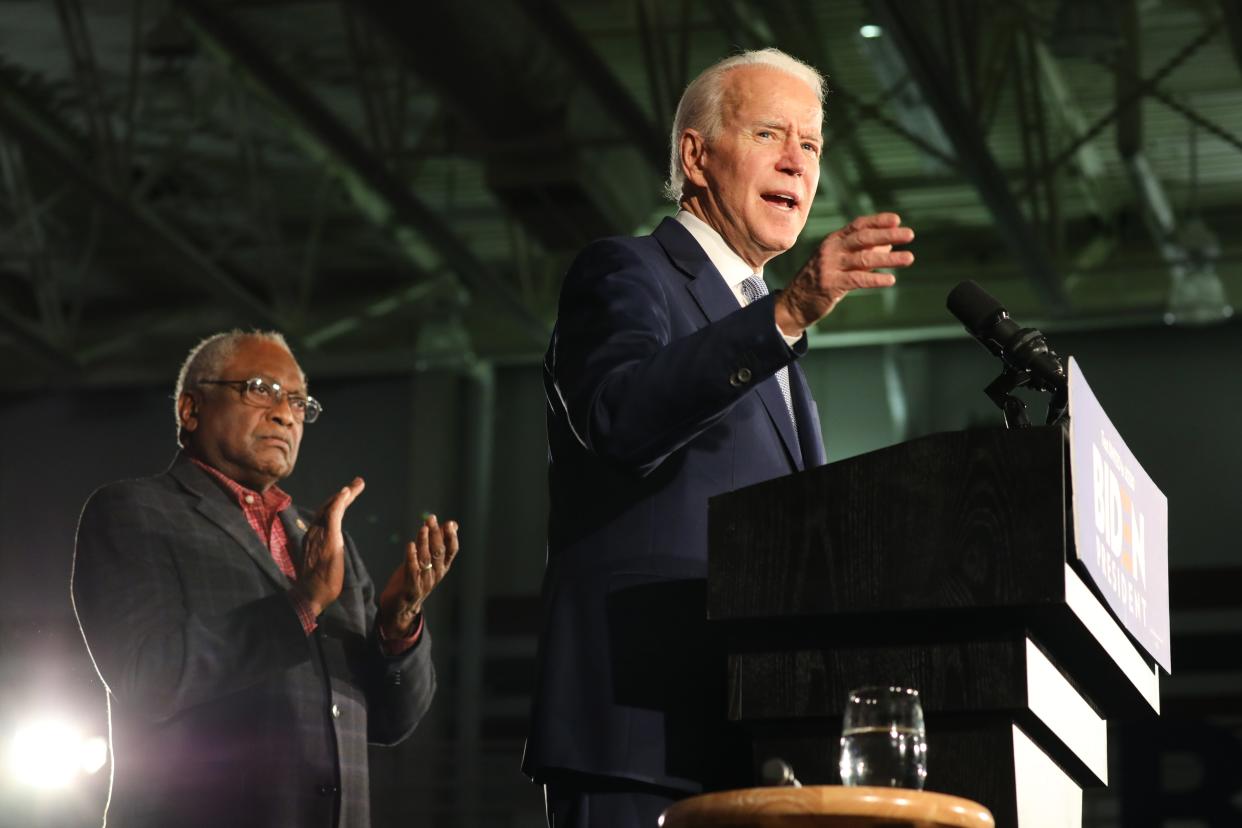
{"points": [[661, 393]]}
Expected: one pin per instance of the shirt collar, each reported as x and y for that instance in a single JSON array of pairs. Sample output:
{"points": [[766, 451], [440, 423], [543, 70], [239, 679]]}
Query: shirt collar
{"points": [[273, 500], [732, 267]]}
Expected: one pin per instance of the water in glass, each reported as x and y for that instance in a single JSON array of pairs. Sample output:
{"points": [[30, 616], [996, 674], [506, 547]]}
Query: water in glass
{"points": [[883, 741], [885, 756]]}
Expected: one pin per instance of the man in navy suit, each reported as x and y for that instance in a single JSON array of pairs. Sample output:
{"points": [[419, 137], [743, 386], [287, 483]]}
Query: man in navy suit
{"points": [[672, 376]]}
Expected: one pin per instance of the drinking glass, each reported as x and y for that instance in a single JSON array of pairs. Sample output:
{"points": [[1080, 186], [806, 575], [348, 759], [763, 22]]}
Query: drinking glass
{"points": [[883, 742]]}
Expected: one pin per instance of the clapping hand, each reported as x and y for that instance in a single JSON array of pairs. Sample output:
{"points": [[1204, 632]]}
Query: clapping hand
{"points": [[322, 571], [427, 560]]}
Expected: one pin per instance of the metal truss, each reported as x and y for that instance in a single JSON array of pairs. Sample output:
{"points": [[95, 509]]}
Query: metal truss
{"points": [[974, 156], [428, 242]]}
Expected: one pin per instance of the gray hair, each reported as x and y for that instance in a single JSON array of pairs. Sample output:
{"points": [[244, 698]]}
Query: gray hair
{"points": [[208, 358], [702, 104]]}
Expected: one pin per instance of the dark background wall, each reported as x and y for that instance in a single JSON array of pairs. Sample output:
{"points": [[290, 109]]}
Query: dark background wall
{"points": [[470, 445]]}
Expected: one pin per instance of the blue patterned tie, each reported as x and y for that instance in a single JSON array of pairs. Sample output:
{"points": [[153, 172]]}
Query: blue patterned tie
{"points": [[754, 289]]}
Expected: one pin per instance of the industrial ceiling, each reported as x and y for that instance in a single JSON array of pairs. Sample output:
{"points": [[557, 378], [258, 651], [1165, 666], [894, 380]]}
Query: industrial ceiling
{"points": [[398, 185]]}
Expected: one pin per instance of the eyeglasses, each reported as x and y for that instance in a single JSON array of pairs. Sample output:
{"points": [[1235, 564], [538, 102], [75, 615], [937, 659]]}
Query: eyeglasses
{"points": [[259, 392]]}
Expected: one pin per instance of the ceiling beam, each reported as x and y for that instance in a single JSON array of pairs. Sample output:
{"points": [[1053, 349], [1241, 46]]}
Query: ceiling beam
{"points": [[747, 30], [428, 242], [1197, 118], [648, 137], [35, 247], [1126, 77], [1196, 293], [872, 111], [42, 134], [367, 313], [1231, 15], [973, 155], [794, 22], [78, 48], [531, 103], [34, 339], [1136, 92], [1072, 122]]}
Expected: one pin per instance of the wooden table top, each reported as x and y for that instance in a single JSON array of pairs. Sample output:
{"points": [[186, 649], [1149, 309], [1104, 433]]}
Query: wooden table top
{"points": [[827, 806]]}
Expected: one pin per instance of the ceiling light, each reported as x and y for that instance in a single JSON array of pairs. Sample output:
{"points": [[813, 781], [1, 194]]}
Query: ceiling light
{"points": [[870, 30]]}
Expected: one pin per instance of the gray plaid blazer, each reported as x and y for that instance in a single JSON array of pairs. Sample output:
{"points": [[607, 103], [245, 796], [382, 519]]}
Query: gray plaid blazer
{"points": [[223, 711]]}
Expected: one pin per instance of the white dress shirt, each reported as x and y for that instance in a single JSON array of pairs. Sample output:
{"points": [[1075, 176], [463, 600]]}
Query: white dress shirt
{"points": [[732, 267]]}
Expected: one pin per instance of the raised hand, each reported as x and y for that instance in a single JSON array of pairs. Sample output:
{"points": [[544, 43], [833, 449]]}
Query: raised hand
{"points": [[322, 571], [845, 260], [427, 560]]}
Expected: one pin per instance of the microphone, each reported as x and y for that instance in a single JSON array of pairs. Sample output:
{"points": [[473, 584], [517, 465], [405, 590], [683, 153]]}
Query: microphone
{"points": [[1020, 349], [777, 773]]}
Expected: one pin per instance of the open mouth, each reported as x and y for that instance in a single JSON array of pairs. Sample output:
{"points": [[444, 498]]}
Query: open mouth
{"points": [[783, 201]]}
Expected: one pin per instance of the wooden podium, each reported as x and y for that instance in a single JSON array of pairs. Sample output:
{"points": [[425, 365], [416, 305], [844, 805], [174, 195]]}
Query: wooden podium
{"points": [[826, 806], [942, 564]]}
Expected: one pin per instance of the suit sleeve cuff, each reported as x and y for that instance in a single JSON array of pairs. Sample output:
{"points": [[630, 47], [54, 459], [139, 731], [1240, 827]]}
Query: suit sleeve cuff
{"points": [[399, 646], [790, 340]]}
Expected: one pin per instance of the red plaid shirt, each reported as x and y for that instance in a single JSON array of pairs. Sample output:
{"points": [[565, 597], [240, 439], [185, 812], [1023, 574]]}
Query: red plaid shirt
{"points": [[262, 511]]}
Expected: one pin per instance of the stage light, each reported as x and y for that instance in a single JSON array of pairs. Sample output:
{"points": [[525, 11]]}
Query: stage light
{"points": [[870, 30], [50, 754], [93, 754]]}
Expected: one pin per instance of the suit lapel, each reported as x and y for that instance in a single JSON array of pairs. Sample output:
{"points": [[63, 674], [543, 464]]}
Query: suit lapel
{"points": [[706, 286], [295, 530], [810, 435], [215, 505], [714, 298], [773, 400]]}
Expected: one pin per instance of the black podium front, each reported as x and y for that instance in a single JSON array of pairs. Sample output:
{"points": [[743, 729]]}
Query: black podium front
{"points": [[943, 564]]}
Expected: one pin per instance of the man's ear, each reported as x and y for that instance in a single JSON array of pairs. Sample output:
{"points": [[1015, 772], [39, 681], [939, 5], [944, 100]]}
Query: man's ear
{"points": [[187, 411], [693, 147]]}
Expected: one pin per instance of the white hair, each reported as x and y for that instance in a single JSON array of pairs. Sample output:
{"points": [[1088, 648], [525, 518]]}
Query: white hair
{"points": [[702, 104], [208, 358]]}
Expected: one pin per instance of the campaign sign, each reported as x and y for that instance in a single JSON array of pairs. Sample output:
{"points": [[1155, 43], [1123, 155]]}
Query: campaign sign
{"points": [[1121, 523]]}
